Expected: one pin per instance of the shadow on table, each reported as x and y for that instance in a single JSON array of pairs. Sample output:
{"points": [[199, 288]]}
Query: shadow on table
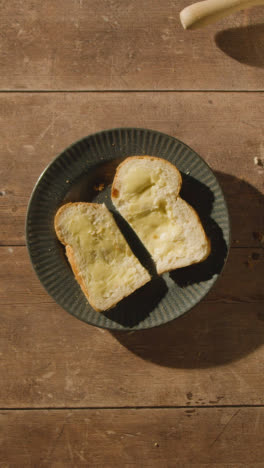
{"points": [[138, 306], [213, 333], [244, 44]]}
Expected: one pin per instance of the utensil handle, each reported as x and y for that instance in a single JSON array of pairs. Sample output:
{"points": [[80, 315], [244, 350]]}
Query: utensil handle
{"points": [[202, 13]]}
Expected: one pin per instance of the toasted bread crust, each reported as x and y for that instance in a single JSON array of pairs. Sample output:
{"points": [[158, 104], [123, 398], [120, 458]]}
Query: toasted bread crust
{"points": [[71, 257], [172, 167], [69, 251], [152, 158], [77, 275], [165, 270], [60, 211], [79, 279], [206, 238]]}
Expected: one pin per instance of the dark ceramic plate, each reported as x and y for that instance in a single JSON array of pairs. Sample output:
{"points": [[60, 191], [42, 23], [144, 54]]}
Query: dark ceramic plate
{"points": [[75, 175]]}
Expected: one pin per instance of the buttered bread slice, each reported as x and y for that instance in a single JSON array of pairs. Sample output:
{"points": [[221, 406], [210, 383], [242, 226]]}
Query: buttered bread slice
{"points": [[146, 190], [99, 255]]}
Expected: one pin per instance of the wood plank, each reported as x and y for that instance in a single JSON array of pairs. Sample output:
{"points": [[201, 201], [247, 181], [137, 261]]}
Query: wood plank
{"points": [[228, 134], [72, 44], [159, 438], [241, 280], [212, 355], [51, 360]]}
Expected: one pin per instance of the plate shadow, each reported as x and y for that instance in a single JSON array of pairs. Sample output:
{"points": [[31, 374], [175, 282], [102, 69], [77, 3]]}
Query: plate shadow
{"points": [[135, 308], [213, 333]]}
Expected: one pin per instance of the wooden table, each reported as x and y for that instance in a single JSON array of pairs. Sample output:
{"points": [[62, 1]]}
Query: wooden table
{"points": [[188, 394]]}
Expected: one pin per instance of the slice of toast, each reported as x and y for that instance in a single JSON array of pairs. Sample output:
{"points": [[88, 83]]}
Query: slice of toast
{"points": [[145, 191], [101, 259]]}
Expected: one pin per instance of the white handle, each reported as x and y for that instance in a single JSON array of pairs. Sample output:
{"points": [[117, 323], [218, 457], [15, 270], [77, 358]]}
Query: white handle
{"points": [[202, 13]]}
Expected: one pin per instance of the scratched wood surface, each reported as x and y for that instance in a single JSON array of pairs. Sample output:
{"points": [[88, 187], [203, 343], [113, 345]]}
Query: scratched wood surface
{"points": [[224, 128], [187, 394], [158, 438], [211, 356], [117, 44]]}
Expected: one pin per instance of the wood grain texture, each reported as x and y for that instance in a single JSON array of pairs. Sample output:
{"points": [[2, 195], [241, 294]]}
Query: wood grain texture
{"points": [[200, 438], [70, 44], [225, 129], [212, 355]]}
